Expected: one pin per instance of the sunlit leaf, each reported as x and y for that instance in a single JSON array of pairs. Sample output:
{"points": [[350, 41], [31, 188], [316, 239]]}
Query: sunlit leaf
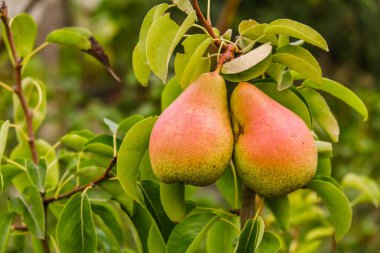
{"points": [[3, 140], [71, 36], [324, 149], [163, 37], [300, 60], [286, 81], [187, 235], [251, 73], [341, 92], [336, 202], [128, 123], [251, 235], [184, 5], [24, 30], [31, 208], [113, 126], [297, 30], [75, 228], [256, 32], [365, 185], [37, 174], [130, 155], [140, 68]]}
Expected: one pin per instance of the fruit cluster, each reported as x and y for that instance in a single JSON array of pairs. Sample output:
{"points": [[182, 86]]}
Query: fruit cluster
{"points": [[195, 138]]}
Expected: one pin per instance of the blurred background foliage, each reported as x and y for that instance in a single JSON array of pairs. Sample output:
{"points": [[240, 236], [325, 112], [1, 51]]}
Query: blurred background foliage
{"points": [[81, 93]]}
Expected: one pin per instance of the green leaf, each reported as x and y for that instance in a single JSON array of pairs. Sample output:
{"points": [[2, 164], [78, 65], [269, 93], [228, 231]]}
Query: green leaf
{"points": [[173, 201], [321, 113], [156, 243], [113, 126], [184, 5], [269, 244], [110, 218], [336, 202], [151, 192], [31, 208], [128, 123], [324, 149], [142, 221], [324, 167], [288, 99], [37, 174], [297, 30], [286, 81], [251, 235], [300, 60], [256, 32], [187, 235], [363, 184], [341, 92], [151, 17], [275, 70], [163, 37], [71, 36], [280, 207], [190, 65], [24, 31], [221, 237], [5, 228], [3, 140], [130, 155], [101, 144], [226, 187], [140, 68], [77, 139], [247, 61], [75, 228], [171, 91], [35, 94]]}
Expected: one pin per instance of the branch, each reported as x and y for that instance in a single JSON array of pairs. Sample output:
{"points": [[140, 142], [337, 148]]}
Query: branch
{"points": [[17, 89], [82, 187], [247, 210]]}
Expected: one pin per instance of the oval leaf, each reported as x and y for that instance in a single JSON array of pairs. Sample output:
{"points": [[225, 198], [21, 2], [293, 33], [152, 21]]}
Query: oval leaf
{"points": [[71, 36], [171, 91], [247, 61], [184, 5], [24, 31], [269, 244], [130, 155], [3, 137], [336, 202], [5, 228], [251, 236], [187, 235], [75, 228], [280, 208], [163, 37], [297, 30], [173, 200], [156, 243], [341, 92], [140, 68], [365, 185], [221, 237], [300, 60]]}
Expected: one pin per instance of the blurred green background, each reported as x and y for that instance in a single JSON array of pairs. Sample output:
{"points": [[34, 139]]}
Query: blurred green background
{"points": [[81, 93]]}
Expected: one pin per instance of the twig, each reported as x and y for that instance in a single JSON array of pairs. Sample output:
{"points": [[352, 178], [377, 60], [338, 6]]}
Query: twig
{"points": [[247, 210], [82, 187], [20, 228]]}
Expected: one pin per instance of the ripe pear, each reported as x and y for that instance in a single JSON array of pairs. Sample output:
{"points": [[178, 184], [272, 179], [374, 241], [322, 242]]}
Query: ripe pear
{"points": [[192, 140], [275, 152]]}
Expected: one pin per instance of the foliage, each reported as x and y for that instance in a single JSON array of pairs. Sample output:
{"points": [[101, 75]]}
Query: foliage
{"points": [[96, 192]]}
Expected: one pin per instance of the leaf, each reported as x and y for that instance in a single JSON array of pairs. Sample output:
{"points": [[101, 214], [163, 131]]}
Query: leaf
{"points": [[300, 60], [5, 229], [336, 202], [71, 36], [111, 125], [37, 174], [286, 81], [128, 123], [151, 192], [275, 70], [251, 235], [130, 155], [3, 141], [77, 139], [75, 228], [192, 63], [156, 243], [151, 17], [101, 144], [247, 61], [324, 167], [187, 235], [269, 244], [341, 92], [321, 113], [288, 99], [365, 185], [140, 68], [109, 216], [31, 208], [324, 149], [173, 201], [24, 31], [297, 30], [184, 5], [226, 187], [163, 37], [256, 32], [280, 207], [221, 237], [171, 91], [142, 221]]}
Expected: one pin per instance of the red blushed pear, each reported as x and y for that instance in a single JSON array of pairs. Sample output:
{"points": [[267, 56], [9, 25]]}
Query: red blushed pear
{"points": [[192, 140], [275, 152]]}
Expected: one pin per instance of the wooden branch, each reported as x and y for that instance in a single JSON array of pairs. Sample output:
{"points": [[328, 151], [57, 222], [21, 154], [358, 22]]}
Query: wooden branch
{"points": [[247, 210], [82, 187]]}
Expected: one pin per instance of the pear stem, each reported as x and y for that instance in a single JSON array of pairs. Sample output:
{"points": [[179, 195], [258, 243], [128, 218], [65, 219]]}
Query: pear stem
{"points": [[247, 210]]}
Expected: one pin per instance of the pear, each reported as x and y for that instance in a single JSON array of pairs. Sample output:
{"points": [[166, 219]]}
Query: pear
{"points": [[192, 140], [275, 152]]}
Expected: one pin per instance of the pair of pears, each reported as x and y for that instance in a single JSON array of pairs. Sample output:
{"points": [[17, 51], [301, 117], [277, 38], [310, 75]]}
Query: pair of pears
{"points": [[193, 142]]}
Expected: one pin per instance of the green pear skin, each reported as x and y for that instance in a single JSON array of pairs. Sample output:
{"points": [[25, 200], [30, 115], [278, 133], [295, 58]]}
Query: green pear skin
{"points": [[275, 153], [192, 140]]}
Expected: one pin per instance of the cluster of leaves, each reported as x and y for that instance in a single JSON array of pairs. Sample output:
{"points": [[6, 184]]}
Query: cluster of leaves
{"points": [[75, 199]]}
